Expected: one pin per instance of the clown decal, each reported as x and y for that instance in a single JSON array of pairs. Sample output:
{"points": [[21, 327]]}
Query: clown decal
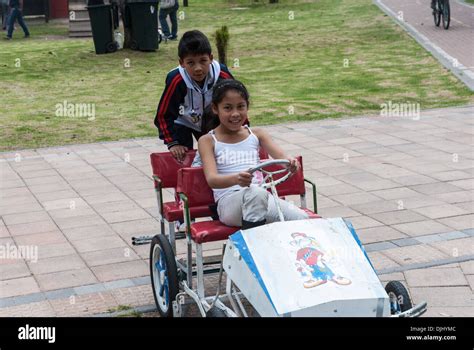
{"points": [[311, 263]]}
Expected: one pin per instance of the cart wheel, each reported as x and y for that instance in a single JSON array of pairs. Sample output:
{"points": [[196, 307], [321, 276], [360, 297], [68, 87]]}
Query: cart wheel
{"points": [[111, 46], [215, 312], [437, 14], [134, 45], [164, 275], [399, 298]]}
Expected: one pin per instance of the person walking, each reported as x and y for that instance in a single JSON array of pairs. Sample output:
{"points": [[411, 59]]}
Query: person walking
{"points": [[5, 11], [16, 13], [169, 8]]}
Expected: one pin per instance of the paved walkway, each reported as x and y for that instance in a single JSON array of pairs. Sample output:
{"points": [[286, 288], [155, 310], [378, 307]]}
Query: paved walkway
{"points": [[406, 185], [453, 47]]}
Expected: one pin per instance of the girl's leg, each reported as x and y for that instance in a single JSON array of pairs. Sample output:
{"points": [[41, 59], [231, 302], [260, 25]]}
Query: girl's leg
{"points": [[249, 204], [289, 210]]}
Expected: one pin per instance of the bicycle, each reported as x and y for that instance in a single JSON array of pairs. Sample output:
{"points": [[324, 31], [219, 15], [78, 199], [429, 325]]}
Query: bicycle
{"points": [[442, 9]]}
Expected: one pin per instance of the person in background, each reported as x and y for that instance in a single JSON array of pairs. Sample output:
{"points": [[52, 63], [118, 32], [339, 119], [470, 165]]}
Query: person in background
{"points": [[16, 13], [5, 11], [169, 8]]}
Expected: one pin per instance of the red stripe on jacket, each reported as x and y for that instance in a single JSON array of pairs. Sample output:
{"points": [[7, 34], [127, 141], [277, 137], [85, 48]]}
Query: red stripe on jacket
{"points": [[225, 75], [164, 107]]}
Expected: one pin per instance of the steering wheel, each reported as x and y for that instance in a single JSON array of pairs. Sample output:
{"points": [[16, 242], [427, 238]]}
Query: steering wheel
{"points": [[269, 174]]}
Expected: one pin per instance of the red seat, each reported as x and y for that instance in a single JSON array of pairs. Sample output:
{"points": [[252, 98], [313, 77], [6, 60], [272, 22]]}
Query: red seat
{"points": [[165, 168], [211, 231], [173, 211], [192, 183]]}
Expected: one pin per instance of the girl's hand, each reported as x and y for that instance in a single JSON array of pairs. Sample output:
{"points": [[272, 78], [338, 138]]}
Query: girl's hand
{"points": [[294, 165], [244, 179]]}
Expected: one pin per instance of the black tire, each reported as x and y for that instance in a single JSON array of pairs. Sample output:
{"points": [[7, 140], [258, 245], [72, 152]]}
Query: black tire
{"points": [[111, 46], [134, 45], [446, 14], [399, 298], [164, 275], [437, 13], [215, 312]]}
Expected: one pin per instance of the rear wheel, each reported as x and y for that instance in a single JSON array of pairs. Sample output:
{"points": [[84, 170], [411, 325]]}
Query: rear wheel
{"points": [[399, 298], [164, 275], [111, 46], [446, 12]]}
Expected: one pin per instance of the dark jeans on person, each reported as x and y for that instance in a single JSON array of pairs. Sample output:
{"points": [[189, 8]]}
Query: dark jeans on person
{"points": [[4, 16], [16, 14], [172, 12]]}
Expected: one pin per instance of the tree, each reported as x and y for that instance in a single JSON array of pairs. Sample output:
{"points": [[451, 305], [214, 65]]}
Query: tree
{"points": [[222, 42]]}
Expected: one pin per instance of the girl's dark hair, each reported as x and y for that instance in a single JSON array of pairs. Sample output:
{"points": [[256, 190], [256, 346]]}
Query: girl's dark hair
{"points": [[210, 119], [222, 86], [194, 42]]}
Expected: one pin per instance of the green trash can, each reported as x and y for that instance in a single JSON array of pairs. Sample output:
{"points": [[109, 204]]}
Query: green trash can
{"points": [[102, 25], [142, 18]]}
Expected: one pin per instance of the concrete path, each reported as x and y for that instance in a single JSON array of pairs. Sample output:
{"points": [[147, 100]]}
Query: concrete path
{"points": [[405, 183], [453, 47]]}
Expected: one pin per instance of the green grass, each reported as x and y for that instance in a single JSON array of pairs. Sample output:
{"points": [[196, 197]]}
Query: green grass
{"points": [[288, 65]]}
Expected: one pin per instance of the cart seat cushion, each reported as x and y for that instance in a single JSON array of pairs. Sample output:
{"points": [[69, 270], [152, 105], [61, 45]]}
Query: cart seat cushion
{"points": [[172, 211], [210, 231]]}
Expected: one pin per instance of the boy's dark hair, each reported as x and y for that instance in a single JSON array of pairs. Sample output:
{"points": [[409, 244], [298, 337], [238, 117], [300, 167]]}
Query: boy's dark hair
{"points": [[211, 120], [194, 42]]}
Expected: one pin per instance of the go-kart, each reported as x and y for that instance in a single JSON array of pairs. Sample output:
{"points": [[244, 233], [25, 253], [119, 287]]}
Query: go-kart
{"points": [[311, 268]]}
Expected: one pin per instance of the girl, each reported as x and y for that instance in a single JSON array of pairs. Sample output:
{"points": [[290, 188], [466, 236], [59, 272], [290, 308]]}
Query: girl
{"points": [[228, 152]]}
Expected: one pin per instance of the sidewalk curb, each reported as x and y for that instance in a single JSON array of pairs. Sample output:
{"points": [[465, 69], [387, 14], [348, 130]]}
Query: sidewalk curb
{"points": [[449, 62]]}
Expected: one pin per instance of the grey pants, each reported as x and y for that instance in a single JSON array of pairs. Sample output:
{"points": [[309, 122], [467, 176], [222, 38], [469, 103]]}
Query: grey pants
{"points": [[255, 204]]}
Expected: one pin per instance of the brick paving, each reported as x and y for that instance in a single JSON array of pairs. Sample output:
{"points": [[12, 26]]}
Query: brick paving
{"points": [[405, 184]]}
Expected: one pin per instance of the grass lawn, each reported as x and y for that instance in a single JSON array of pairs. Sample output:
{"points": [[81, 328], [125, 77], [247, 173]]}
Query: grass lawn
{"points": [[289, 65]]}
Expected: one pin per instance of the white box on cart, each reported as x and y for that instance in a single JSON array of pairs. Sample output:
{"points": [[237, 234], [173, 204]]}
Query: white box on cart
{"points": [[305, 268]]}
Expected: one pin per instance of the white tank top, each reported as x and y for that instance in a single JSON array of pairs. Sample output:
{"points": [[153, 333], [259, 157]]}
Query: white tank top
{"points": [[232, 158]]}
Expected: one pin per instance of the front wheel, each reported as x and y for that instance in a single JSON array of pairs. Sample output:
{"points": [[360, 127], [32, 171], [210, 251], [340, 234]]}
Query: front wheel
{"points": [[399, 298], [437, 13], [446, 14], [164, 275]]}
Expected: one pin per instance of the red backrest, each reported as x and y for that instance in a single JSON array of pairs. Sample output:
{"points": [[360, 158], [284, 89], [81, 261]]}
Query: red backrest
{"points": [[294, 185], [192, 182], [166, 167]]}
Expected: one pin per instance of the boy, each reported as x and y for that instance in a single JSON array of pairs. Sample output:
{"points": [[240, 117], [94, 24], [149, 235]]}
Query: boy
{"points": [[187, 93]]}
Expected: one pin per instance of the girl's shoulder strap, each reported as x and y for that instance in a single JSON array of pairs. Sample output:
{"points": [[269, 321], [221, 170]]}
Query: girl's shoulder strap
{"points": [[213, 135]]}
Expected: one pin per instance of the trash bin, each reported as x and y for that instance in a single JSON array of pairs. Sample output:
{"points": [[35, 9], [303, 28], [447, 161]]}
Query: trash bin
{"points": [[102, 24], [142, 18]]}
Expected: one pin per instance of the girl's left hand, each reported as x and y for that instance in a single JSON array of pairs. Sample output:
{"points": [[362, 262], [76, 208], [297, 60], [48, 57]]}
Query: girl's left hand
{"points": [[294, 165]]}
